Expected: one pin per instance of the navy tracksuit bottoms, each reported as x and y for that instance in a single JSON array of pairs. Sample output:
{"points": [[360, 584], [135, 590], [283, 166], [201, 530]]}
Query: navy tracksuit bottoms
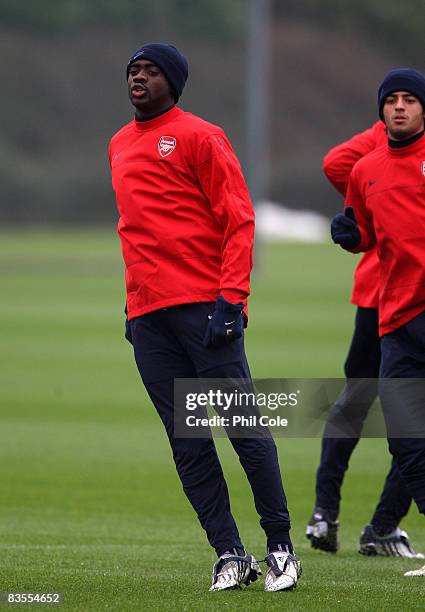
{"points": [[167, 345], [350, 411], [403, 357]]}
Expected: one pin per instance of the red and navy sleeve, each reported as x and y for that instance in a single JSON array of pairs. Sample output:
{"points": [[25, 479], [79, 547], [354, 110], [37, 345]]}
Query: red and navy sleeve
{"points": [[221, 179], [364, 219]]}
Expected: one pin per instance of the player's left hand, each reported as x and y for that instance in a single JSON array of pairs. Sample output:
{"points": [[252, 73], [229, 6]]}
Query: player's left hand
{"points": [[225, 324], [127, 326]]}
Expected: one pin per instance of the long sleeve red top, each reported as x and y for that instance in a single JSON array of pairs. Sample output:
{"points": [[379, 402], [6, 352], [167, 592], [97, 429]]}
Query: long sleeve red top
{"points": [[337, 166], [186, 219], [387, 192]]}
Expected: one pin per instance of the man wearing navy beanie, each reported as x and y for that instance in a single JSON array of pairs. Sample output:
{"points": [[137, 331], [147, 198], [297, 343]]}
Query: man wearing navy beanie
{"points": [[401, 79], [385, 206], [187, 230], [167, 57]]}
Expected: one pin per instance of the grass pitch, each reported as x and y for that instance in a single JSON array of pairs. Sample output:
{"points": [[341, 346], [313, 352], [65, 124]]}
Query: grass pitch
{"points": [[90, 502]]}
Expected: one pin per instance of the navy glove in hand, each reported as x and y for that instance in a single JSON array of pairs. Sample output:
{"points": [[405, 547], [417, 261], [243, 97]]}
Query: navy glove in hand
{"points": [[225, 324], [344, 229]]}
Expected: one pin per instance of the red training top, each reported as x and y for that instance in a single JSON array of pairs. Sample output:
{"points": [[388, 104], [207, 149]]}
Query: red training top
{"points": [[337, 166], [387, 192], [186, 219]]}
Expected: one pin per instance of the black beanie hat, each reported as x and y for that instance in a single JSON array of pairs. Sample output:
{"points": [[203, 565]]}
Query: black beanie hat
{"points": [[172, 63], [401, 79]]}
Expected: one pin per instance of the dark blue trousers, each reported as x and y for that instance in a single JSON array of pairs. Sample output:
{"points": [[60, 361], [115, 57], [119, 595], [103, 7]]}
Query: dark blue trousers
{"points": [[349, 414], [403, 357], [167, 345]]}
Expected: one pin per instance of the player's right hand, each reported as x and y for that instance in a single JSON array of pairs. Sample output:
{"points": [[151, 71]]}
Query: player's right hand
{"points": [[344, 229]]}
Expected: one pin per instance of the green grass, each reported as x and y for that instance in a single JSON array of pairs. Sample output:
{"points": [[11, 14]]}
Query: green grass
{"points": [[89, 502]]}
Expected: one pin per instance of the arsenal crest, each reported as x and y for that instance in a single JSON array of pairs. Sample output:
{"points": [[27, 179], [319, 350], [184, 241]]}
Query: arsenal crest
{"points": [[423, 168], [166, 145]]}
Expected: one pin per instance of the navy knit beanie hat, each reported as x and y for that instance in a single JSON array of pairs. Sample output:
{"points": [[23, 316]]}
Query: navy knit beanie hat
{"points": [[172, 63], [401, 79]]}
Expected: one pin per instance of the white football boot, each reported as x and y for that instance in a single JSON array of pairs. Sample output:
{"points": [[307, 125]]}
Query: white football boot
{"points": [[394, 544], [322, 531], [418, 572], [232, 571], [283, 573]]}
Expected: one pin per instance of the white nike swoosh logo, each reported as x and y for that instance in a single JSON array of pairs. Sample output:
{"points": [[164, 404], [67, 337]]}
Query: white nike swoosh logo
{"points": [[229, 323], [210, 316]]}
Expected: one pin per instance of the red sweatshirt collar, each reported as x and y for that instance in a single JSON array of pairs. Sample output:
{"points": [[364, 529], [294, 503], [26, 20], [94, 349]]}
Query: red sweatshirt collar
{"points": [[144, 126]]}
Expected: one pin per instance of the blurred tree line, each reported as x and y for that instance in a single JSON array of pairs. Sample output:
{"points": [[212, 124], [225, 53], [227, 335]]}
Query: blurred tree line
{"points": [[395, 24], [64, 91], [391, 21], [223, 17]]}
